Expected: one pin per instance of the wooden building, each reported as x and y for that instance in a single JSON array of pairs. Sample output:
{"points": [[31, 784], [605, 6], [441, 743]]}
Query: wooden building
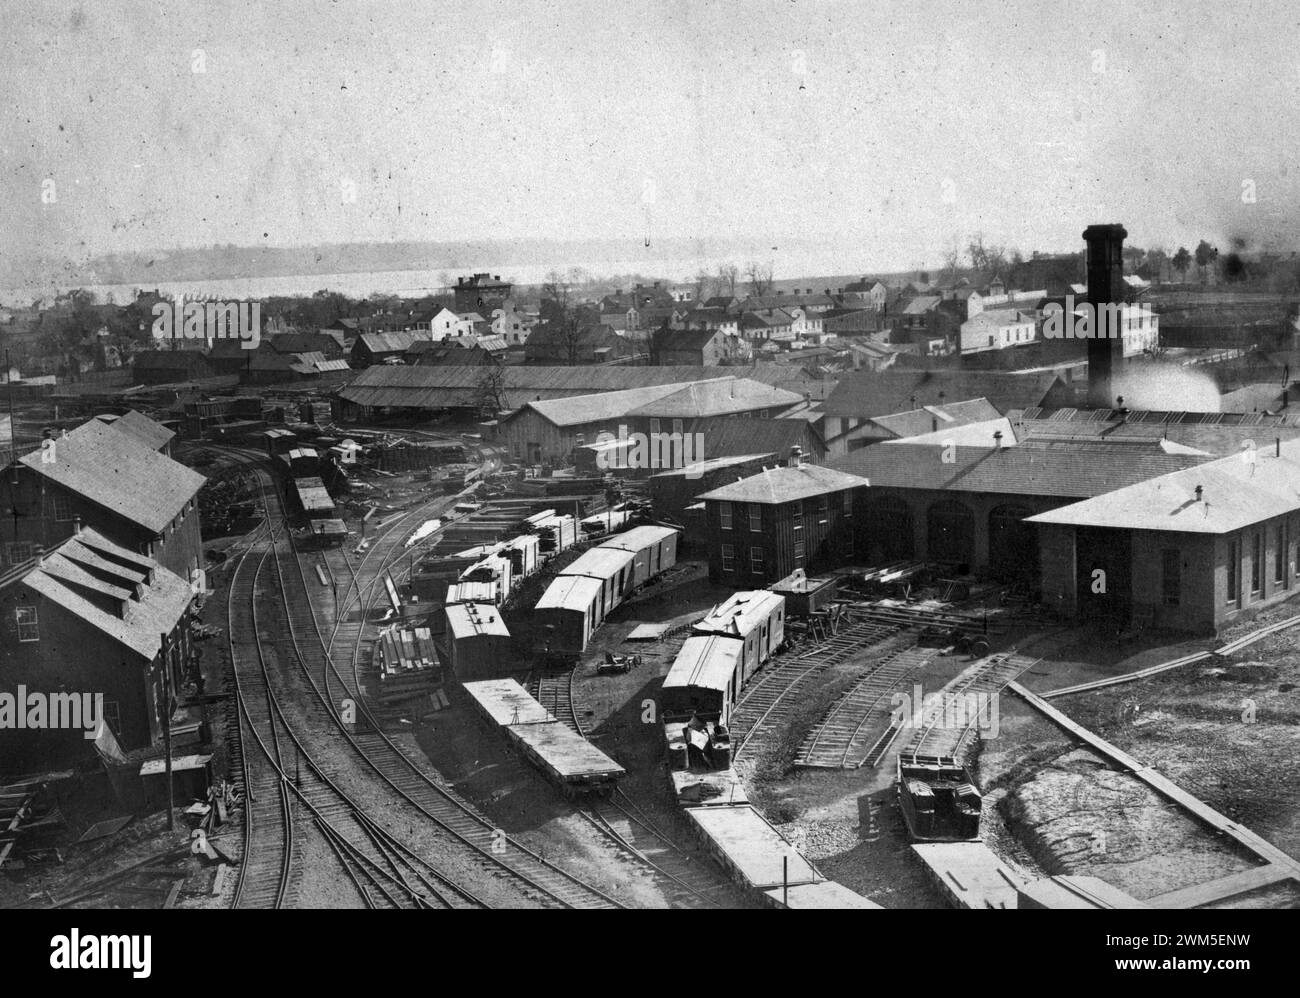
{"points": [[478, 642], [91, 616]]}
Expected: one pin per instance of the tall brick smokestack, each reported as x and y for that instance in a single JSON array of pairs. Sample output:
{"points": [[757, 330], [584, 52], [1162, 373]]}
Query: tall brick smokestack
{"points": [[1105, 285]]}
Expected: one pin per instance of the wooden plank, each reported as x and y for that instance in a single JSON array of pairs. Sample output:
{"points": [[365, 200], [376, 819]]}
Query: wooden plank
{"points": [[1163, 785], [1199, 895]]}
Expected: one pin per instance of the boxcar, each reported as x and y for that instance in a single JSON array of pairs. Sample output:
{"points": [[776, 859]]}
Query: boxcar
{"points": [[571, 609], [612, 567], [756, 619], [654, 550], [478, 641], [704, 680]]}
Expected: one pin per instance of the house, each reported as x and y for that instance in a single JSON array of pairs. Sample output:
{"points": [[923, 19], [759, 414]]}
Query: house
{"points": [[480, 293], [867, 293], [969, 506], [110, 479], [90, 615], [760, 529], [553, 343], [767, 325], [381, 348], [433, 353], [160, 367], [1190, 550], [851, 322], [997, 329], [327, 343], [758, 434], [700, 347], [511, 323]]}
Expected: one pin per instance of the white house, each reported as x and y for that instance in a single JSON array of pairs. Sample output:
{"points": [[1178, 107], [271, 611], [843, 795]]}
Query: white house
{"points": [[997, 329]]}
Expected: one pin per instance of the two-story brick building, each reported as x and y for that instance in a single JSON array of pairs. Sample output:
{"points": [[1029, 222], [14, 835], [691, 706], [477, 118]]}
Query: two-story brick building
{"points": [[760, 529]]}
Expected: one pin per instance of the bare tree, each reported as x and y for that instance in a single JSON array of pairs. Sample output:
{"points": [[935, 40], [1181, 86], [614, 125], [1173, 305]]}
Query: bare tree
{"points": [[728, 278], [951, 261], [703, 284], [760, 277], [491, 390]]}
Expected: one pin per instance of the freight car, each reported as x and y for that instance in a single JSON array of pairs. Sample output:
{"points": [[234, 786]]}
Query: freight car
{"points": [[586, 592], [938, 798], [564, 756], [756, 619]]}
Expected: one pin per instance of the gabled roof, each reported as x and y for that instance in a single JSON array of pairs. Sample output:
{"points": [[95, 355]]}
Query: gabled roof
{"points": [[866, 394], [922, 304], [582, 409], [721, 397], [1030, 471], [786, 484], [757, 435], [1236, 493], [686, 339], [153, 435], [89, 567], [935, 417], [388, 342], [115, 470]]}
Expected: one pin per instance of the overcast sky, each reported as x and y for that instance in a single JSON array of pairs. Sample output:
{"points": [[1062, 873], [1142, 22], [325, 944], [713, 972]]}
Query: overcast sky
{"points": [[890, 129]]}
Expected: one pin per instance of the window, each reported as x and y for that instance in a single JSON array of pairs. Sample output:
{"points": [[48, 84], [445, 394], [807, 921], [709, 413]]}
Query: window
{"points": [[20, 551], [1257, 565], [1234, 570], [798, 550], [724, 515], [62, 504], [1172, 577], [677, 426], [28, 629], [728, 557], [1279, 557], [113, 717], [755, 518], [580, 439], [756, 560], [823, 510], [654, 426], [796, 508], [848, 503]]}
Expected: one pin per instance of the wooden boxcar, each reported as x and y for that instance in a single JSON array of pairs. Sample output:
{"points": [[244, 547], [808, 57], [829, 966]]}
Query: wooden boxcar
{"points": [[478, 641], [612, 567], [654, 550], [704, 680], [570, 610], [494, 569], [756, 619]]}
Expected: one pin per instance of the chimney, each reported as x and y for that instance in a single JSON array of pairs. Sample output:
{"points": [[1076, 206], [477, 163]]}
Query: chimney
{"points": [[76, 526], [1199, 493], [796, 456], [997, 439], [1105, 269], [39, 555]]}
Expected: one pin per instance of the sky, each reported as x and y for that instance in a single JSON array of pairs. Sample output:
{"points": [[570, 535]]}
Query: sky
{"points": [[893, 131]]}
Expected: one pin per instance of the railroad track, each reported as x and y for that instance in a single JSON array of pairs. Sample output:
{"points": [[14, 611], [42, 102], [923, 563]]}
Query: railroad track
{"points": [[266, 874], [946, 731], [331, 666], [384, 871], [554, 691], [842, 739], [779, 692]]}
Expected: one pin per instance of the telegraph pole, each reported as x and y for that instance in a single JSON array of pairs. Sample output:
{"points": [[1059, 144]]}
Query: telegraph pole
{"points": [[167, 733]]}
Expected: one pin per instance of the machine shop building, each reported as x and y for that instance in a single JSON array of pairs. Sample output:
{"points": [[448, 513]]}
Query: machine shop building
{"points": [[1191, 550], [968, 506]]}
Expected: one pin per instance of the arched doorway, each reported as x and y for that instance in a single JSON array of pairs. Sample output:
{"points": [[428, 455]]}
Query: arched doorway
{"points": [[889, 531], [951, 533], [1013, 545]]}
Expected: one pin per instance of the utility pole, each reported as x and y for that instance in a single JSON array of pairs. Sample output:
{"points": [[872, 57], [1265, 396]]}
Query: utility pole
{"points": [[167, 732]]}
